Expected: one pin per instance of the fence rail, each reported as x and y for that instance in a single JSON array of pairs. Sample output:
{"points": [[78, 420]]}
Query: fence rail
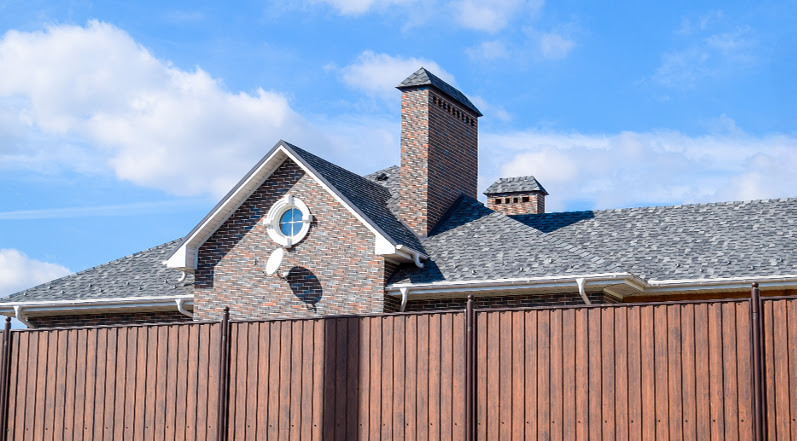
{"points": [[660, 371]]}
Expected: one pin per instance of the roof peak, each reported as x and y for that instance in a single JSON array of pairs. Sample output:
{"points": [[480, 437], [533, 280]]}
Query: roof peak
{"points": [[423, 77]]}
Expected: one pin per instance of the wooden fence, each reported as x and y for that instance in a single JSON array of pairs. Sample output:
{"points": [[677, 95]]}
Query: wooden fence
{"points": [[660, 371]]}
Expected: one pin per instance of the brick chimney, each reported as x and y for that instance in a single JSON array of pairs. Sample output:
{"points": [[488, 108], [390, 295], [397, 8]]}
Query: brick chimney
{"points": [[439, 149], [518, 195]]}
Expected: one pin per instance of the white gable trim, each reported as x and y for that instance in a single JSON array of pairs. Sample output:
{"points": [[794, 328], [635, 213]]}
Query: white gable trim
{"points": [[185, 257]]}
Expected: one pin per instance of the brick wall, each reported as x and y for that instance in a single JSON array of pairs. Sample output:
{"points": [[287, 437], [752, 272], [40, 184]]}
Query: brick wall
{"points": [[332, 271], [529, 203], [439, 156], [67, 321]]}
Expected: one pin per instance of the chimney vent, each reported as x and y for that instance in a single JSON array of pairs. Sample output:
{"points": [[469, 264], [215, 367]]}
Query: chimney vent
{"points": [[517, 195]]}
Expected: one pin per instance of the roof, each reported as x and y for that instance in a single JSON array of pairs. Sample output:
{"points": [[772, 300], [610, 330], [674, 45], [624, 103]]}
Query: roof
{"points": [[682, 242], [141, 274], [473, 242], [423, 77], [517, 184]]}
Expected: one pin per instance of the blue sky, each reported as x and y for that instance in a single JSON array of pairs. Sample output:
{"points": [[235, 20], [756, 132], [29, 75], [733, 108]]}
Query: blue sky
{"points": [[122, 123]]}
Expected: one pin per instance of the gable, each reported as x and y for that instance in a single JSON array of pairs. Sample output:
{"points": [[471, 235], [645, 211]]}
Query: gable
{"points": [[386, 245]]}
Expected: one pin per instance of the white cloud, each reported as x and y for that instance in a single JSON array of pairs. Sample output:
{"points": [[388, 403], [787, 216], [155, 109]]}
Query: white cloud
{"points": [[555, 46], [710, 56], [91, 98], [359, 7], [538, 46], [18, 271], [641, 168], [493, 15], [378, 74], [488, 50]]}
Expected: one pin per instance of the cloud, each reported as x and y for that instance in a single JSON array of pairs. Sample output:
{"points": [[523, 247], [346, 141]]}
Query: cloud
{"points": [[91, 98], [378, 74], [359, 7], [18, 271], [554, 46], [538, 46], [706, 57], [492, 16], [642, 168], [488, 50]]}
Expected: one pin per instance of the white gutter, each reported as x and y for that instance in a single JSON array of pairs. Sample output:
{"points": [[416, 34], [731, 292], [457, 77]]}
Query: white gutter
{"points": [[580, 282], [19, 316], [56, 306], [411, 254], [536, 283], [787, 281]]}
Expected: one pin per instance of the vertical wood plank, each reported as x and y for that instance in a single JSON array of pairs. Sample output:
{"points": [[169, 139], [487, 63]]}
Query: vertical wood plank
{"points": [[183, 368], [252, 379], [422, 378], [136, 343], [458, 377], [446, 380], [34, 362], [744, 369], [608, 370], [543, 374], [203, 382], [518, 345], [308, 344], [285, 381], [434, 376], [730, 371], [399, 376], [634, 374], [274, 389], [481, 376], [595, 370], [319, 365], [51, 385], [493, 374], [505, 375], [702, 372], [160, 382], [647, 350], [20, 387], [781, 367], [170, 398], [688, 357], [91, 375], [411, 370], [674, 371], [791, 326], [621, 372], [60, 386], [375, 413], [113, 360], [582, 374], [352, 377], [234, 417], [296, 384], [661, 364], [716, 381], [101, 390], [80, 384], [365, 378], [263, 356], [15, 382], [387, 378], [556, 349]]}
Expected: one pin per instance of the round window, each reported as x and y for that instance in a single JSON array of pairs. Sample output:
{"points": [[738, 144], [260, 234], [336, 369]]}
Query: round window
{"points": [[288, 221]]}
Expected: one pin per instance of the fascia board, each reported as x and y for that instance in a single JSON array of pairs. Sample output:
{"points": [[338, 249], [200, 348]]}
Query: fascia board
{"points": [[97, 305]]}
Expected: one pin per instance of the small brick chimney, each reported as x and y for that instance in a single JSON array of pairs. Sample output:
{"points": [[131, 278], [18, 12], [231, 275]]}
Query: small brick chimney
{"points": [[518, 195], [439, 149]]}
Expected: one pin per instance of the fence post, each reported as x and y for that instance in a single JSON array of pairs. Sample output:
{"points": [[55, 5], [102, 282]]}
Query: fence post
{"points": [[758, 372], [224, 377], [470, 371], [5, 379]]}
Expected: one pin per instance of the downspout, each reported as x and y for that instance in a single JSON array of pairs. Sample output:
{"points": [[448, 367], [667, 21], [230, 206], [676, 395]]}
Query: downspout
{"points": [[404, 292], [416, 256], [181, 308], [581, 281], [182, 276], [22, 319]]}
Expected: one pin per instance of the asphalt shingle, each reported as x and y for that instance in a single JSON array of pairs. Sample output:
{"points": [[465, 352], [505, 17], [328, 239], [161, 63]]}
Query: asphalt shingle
{"points": [[423, 77], [517, 184]]}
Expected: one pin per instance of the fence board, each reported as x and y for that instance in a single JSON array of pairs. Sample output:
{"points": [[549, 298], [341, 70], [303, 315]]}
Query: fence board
{"points": [[665, 371]]}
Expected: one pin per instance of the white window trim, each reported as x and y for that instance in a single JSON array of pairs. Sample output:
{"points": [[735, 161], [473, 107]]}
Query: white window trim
{"points": [[272, 221]]}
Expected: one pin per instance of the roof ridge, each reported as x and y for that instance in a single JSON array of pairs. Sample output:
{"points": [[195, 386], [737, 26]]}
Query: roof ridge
{"points": [[650, 207]]}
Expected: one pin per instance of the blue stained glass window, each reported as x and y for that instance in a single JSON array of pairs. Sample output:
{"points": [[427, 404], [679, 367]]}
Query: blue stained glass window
{"points": [[291, 222]]}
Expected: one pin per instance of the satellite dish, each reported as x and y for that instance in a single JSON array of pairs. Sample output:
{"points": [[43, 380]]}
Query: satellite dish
{"points": [[274, 261]]}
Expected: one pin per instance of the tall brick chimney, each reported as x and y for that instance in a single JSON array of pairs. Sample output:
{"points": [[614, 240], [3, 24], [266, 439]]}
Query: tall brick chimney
{"points": [[517, 195], [439, 149]]}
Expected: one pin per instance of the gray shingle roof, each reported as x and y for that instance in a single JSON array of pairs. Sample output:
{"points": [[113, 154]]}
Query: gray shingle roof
{"points": [[141, 274], [423, 77], [702, 241], [517, 184], [371, 198], [717, 240], [475, 243]]}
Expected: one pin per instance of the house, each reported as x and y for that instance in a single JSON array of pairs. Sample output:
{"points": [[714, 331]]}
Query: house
{"points": [[299, 236]]}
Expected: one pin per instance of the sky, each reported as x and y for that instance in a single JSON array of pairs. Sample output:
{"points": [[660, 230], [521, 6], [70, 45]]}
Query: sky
{"points": [[123, 123]]}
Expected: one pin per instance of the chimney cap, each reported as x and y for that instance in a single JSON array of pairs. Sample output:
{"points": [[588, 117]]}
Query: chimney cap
{"points": [[516, 184], [423, 77]]}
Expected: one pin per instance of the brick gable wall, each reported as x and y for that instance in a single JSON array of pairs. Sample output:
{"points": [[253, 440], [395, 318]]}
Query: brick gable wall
{"points": [[439, 156], [332, 271]]}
